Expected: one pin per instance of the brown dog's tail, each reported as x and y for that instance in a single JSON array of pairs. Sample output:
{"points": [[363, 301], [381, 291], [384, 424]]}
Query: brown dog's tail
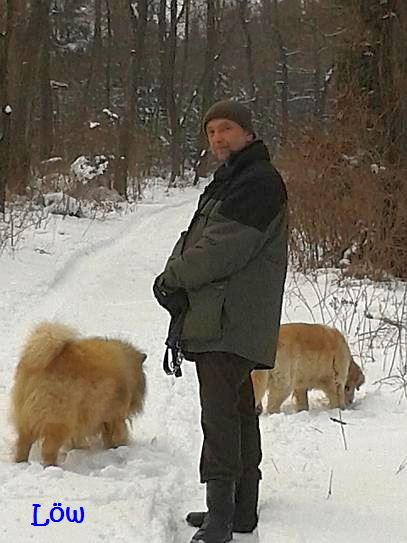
{"points": [[45, 343]]}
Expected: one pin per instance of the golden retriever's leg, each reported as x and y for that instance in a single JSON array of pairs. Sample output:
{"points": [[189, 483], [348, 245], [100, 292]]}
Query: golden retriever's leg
{"points": [[54, 437], [278, 391], [274, 402], [23, 446], [349, 395], [260, 380], [107, 434], [301, 397], [275, 399], [341, 396], [115, 433], [335, 393], [79, 443]]}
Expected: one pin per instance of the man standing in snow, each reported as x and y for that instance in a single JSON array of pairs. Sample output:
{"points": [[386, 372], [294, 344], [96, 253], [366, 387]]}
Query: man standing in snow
{"points": [[231, 262]]}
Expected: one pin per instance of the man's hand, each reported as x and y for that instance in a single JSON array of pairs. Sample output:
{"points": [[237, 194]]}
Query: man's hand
{"points": [[174, 301]]}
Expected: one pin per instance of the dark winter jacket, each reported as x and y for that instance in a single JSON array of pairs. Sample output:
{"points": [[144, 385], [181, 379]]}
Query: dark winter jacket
{"points": [[232, 260]]}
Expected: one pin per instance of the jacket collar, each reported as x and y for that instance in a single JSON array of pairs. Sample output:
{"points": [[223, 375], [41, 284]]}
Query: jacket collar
{"points": [[256, 150]]}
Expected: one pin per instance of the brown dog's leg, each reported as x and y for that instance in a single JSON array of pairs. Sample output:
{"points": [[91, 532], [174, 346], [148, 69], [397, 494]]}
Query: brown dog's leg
{"points": [[54, 437], [336, 395], [79, 443], [23, 446], [115, 433], [278, 391], [107, 434], [259, 380], [301, 397], [341, 396], [275, 399], [120, 435]]}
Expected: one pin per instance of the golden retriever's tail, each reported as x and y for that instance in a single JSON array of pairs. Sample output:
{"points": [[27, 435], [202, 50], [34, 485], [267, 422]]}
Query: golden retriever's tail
{"points": [[45, 343]]}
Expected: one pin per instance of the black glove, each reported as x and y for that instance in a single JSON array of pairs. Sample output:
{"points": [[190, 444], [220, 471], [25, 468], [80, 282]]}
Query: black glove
{"points": [[174, 301]]}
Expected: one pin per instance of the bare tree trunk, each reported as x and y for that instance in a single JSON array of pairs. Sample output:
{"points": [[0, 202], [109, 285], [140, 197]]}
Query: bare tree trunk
{"points": [[185, 51], [22, 56], [393, 69], [162, 52], [184, 68], [4, 154], [121, 21], [284, 71], [28, 44], [96, 65], [46, 123], [131, 67], [108, 54], [139, 31], [5, 109], [4, 41], [248, 48], [208, 90], [387, 25], [316, 61], [172, 103], [138, 72]]}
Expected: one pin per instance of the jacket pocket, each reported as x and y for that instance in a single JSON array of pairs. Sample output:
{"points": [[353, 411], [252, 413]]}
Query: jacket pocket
{"points": [[203, 321]]}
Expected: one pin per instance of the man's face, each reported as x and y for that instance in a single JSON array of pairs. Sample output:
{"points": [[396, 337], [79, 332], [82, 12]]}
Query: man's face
{"points": [[226, 137]]}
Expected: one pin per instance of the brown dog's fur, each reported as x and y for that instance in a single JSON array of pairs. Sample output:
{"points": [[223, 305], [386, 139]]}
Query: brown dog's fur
{"points": [[309, 356], [68, 390]]}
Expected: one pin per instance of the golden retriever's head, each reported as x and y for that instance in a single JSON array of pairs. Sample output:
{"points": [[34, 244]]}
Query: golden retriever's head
{"points": [[354, 381]]}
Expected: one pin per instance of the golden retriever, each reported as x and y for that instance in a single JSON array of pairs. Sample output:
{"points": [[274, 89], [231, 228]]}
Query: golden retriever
{"points": [[69, 389], [309, 356]]}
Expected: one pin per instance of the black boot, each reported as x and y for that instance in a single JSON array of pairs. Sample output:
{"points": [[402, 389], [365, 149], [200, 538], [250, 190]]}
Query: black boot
{"points": [[196, 518], [245, 516], [247, 497], [217, 523]]}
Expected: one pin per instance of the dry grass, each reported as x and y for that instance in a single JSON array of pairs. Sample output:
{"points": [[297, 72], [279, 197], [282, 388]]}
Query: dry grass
{"points": [[348, 208]]}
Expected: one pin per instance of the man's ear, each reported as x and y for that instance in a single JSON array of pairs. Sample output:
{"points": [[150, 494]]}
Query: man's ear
{"points": [[250, 136]]}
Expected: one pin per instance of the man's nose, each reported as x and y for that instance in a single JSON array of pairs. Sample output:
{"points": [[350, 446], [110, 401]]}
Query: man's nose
{"points": [[217, 137]]}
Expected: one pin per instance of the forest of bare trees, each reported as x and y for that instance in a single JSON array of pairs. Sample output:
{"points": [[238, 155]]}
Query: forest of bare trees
{"points": [[130, 80]]}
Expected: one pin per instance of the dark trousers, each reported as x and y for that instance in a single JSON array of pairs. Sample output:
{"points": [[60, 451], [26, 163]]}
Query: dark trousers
{"points": [[231, 446]]}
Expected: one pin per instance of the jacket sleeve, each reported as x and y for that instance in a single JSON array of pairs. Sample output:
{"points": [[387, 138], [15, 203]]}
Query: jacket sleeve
{"points": [[177, 247], [234, 235]]}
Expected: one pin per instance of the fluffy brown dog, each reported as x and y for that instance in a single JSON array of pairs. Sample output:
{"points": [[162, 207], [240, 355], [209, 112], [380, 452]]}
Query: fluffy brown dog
{"points": [[68, 390], [309, 356]]}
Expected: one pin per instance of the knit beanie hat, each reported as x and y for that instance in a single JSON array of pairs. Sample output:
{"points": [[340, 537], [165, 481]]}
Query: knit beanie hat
{"points": [[228, 109]]}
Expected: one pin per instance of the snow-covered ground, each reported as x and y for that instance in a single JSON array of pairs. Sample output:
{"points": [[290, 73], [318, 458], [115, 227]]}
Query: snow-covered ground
{"points": [[319, 484]]}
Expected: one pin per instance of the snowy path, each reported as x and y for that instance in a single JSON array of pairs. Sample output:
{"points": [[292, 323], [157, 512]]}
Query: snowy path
{"points": [[98, 277]]}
